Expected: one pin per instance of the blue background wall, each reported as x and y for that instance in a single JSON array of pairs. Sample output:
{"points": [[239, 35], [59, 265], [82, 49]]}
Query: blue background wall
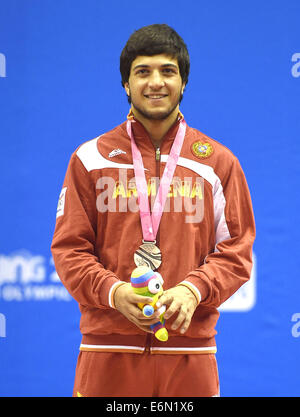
{"points": [[60, 86]]}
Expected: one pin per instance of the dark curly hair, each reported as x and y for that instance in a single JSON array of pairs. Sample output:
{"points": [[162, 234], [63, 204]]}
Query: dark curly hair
{"points": [[154, 40]]}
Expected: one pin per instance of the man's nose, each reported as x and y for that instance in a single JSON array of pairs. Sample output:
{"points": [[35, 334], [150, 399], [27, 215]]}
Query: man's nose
{"points": [[156, 80]]}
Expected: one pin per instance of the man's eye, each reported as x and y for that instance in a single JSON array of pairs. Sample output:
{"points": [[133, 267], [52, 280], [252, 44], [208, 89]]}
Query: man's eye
{"points": [[142, 71], [169, 71]]}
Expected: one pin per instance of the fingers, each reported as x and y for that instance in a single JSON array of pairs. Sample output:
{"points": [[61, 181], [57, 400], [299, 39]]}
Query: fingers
{"points": [[166, 298], [184, 316], [183, 320], [125, 297], [134, 298], [143, 320], [126, 302], [144, 327], [180, 301]]}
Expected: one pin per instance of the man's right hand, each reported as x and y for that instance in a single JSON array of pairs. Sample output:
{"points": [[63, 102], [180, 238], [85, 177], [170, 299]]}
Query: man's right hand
{"points": [[126, 301]]}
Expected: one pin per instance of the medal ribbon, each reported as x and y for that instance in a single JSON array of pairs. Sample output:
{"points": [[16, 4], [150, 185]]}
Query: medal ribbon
{"points": [[150, 222]]}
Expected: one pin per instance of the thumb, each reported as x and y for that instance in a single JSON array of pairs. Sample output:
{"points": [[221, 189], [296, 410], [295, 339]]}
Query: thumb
{"points": [[136, 298], [164, 299]]}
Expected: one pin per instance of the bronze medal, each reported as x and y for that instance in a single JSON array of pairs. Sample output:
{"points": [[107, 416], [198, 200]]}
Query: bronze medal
{"points": [[148, 254]]}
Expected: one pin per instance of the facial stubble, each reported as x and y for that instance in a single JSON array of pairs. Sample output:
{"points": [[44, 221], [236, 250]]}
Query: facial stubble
{"points": [[157, 116]]}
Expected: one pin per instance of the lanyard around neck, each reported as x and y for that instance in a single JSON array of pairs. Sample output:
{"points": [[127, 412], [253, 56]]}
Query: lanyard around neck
{"points": [[150, 222]]}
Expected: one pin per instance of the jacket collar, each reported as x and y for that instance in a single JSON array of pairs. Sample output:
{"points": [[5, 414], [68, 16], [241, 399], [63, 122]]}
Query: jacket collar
{"points": [[140, 132]]}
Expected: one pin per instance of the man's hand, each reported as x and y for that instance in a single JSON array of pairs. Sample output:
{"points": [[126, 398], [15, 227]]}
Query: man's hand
{"points": [[126, 302], [179, 299]]}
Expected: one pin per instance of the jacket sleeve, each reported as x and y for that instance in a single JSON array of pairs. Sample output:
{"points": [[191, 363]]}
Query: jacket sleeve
{"points": [[229, 266], [73, 244]]}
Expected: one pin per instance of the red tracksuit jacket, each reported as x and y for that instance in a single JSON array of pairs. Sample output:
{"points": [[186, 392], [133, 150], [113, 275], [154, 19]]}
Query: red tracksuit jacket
{"points": [[205, 235]]}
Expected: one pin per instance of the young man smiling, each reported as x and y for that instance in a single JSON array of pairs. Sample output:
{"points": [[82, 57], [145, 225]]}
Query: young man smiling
{"points": [[155, 88], [203, 259]]}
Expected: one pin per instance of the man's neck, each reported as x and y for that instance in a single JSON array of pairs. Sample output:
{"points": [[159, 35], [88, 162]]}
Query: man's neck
{"points": [[156, 128]]}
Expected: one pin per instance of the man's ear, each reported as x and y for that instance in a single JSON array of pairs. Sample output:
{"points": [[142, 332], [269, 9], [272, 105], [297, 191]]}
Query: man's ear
{"points": [[182, 88], [127, 89]]}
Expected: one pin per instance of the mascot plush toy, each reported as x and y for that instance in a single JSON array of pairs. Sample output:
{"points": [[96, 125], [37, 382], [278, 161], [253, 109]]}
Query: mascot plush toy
{"points": [[147, 282]]}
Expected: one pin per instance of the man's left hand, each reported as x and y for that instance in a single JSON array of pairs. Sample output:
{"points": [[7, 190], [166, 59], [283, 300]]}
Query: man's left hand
{"points": [[179, 299]]}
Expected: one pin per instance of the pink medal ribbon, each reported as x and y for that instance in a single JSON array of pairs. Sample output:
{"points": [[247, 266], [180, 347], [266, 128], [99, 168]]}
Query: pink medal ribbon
{"points": [[150, 222]]}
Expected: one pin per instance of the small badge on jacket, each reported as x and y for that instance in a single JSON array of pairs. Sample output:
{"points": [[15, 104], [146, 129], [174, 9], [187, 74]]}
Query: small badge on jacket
{"points": [[61, 203], [202, 150], [116, 152]]}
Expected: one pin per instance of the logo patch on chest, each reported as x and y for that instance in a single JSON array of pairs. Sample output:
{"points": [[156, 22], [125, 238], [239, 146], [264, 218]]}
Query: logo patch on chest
{"points": [[202, 149], [116, 152]]}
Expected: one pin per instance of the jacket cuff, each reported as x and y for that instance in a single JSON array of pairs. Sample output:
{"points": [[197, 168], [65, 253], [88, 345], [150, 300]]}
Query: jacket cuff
{"points": [[199, 289], [111, 292], [192, 288]]}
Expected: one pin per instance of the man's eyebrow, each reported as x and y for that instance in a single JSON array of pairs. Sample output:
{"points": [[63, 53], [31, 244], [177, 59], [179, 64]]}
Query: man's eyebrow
{"points": [[148, 66], [170, 65]]}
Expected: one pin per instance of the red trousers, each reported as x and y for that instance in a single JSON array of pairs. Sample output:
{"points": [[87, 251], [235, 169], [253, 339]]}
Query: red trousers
{"points": [[105, 374]]}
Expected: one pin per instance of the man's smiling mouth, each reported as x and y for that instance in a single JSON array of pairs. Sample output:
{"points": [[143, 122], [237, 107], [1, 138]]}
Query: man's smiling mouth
{"points": [[155, 96]]}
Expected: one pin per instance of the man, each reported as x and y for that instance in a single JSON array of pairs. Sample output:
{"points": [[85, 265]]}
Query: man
{"points": [[152, 191]]}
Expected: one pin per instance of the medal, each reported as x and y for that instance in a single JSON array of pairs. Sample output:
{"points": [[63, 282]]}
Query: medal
{"points": [[148, 253]]}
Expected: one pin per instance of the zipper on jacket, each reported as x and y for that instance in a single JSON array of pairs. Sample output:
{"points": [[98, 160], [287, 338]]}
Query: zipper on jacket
{"points": [[157, 173], [148, 343], [157, 154]]}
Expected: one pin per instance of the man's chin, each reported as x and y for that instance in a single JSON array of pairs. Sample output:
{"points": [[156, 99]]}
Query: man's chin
{"points": [[155, 114]]}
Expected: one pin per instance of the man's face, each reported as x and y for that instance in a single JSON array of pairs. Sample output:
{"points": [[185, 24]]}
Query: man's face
{"points": [[155, 86]]}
